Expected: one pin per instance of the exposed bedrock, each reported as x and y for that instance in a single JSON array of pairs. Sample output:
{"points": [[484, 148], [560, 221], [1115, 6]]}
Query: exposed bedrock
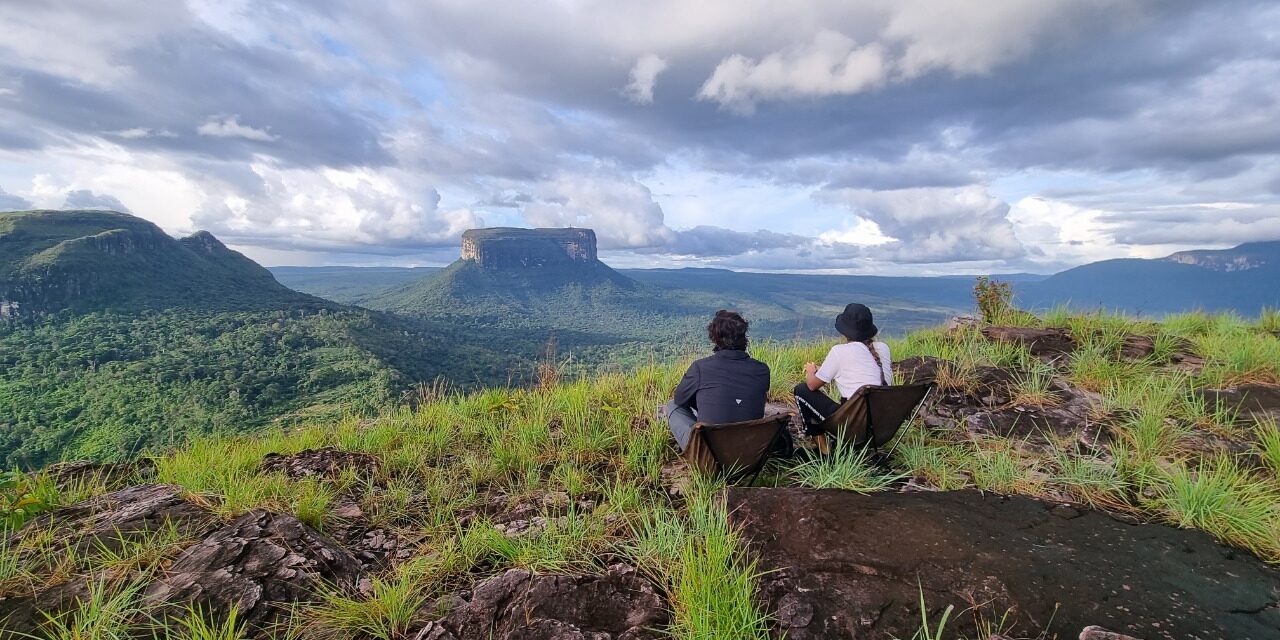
{"points": [[107, 524], [501, 248], [838, 565], [985, 406], [517, 605], [259, 564]]}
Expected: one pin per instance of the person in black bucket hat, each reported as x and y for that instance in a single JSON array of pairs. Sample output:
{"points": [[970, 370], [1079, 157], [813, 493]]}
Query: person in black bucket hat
{"points": [[852, 365], [856, 323]]}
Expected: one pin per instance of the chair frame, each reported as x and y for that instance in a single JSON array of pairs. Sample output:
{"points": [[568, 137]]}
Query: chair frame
{"points": [[837, 423], [702, 455]]}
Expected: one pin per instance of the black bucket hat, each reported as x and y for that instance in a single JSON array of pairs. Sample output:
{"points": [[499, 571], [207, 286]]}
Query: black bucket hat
{"points": [[855, 323]]}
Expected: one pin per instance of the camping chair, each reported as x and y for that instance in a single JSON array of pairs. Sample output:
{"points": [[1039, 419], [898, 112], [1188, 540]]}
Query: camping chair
{"points": [[873, 416], [736, 450]]}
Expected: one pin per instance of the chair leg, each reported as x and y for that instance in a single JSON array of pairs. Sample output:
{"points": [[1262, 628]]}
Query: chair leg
{"points": [[824, 444], [752, 481]]}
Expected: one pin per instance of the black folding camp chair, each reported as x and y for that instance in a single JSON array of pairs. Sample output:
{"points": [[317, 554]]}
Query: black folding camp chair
{"points": [[736, 450], [873, 416]]}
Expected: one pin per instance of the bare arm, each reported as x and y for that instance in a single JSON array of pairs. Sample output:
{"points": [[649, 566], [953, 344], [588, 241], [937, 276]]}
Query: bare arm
{"points": [[811, 376]]}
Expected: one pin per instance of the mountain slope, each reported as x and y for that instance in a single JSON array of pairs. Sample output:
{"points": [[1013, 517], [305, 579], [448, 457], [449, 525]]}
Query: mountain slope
{"points": [[1243, 279], [126, 340], [83, 261], [1250, 255], [465, 287]]}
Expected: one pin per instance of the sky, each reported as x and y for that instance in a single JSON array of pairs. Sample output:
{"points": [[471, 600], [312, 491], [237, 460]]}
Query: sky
{"points": [[896, 137]]}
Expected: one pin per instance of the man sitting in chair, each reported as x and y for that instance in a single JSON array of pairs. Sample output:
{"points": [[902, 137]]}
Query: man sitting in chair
{"points": [[858, 362], [727, 386]]}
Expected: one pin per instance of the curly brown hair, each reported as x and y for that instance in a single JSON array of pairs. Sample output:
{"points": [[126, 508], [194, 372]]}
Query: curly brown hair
{"points": [[728, 330]]}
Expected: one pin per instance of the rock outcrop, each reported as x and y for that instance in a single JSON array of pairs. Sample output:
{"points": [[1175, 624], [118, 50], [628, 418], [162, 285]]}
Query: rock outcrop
{"points": [[838, 565], [111, 520], [501, 248], [258, 564], [105, 524], [517, 605], [326, 462], [985, 405]]}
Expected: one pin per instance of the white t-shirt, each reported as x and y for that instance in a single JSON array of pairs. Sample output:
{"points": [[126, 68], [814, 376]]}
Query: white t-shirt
{"points": [[852, 367]]}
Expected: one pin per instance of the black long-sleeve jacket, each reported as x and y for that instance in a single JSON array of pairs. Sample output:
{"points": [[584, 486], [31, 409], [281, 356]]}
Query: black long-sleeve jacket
{"points": [[727, 386]]}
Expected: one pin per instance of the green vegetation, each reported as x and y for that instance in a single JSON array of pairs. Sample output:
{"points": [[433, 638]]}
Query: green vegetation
{"points": [[585, 449], [109, 387], [85, 261]]}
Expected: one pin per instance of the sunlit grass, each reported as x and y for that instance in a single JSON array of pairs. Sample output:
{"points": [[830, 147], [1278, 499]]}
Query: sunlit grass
{"points": [[450, 465], [391, 607], [700, 558], [1225, 499], [105, 614], [846, 467], [1268, 445]]}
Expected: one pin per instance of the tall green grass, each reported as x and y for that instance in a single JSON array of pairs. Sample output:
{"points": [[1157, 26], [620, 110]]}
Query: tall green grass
{"points": [[701, 559], [844, 468], [1225, 499]]}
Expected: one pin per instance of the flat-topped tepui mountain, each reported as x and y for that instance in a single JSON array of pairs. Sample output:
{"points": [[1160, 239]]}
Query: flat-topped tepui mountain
{"points": [[1242, 279], [507, 270], [87, 260]]}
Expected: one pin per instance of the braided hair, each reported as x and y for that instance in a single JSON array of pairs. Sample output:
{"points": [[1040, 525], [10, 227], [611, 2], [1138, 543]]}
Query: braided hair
{"points": [[870, 343]]}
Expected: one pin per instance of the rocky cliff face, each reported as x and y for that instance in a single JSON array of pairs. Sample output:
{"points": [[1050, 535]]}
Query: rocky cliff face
{"points": [[1247, 256], [509, 248]]}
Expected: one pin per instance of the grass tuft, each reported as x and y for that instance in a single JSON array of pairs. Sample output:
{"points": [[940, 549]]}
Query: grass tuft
{"points": [[1225, 499], [845, 468]]}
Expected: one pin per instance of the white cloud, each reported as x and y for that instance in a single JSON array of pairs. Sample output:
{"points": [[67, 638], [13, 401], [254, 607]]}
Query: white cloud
{"points": [[230, 127], [1064, 234], [643, 76], [357, 209], [937, 224], [831, 64], [862, 232], [620, 209], [970, 38]]}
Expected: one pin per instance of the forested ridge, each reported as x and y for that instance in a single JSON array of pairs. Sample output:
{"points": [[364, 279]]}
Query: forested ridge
{"points": [[108, 386]]}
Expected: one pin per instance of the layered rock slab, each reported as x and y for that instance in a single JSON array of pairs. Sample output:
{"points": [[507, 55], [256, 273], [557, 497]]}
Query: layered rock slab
{"points": [[840, 565], [259, 564], [102, 525], [517, 605]]}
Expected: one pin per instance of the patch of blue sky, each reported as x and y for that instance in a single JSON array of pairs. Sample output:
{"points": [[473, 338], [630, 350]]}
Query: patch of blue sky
{"points": [[692, 197]]}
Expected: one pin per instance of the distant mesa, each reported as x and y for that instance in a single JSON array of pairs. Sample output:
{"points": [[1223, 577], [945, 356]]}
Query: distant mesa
{"points": [[89, 260], [508, 248], [504, 271]]}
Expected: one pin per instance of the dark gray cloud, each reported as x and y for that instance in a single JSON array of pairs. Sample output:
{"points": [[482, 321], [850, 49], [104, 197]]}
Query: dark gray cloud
{"points": [[388, 127], [86, 199], [708, 241], [11, 202]]}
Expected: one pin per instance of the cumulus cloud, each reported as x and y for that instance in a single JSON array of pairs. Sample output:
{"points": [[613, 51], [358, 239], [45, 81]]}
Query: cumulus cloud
{"points": [[13, 202], [620, 209], [942, 35], [230, 127], [937, 224], [87, 199], [389, 126], [357, 210], [831, 64], [643, 76]]}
